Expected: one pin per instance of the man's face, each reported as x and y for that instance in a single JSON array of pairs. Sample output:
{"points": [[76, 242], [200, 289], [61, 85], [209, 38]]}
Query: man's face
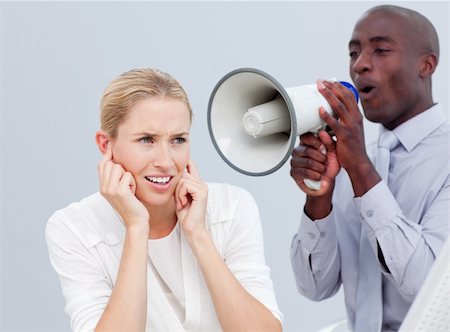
{"points": [[384, 66]]}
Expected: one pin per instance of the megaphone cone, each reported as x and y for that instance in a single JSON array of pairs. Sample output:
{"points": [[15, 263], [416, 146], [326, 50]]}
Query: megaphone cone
{"points": [[254, 121]]}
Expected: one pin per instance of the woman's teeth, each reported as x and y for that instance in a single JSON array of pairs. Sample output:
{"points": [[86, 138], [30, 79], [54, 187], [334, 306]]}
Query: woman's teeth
{"points": [[160, 180]]}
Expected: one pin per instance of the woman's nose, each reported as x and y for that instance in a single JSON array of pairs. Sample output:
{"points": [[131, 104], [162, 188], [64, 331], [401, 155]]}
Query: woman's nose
{"points": [[163, 157]]}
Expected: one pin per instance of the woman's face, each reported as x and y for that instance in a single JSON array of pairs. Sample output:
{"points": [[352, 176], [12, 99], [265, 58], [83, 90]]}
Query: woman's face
{"points": [[153, 145]]}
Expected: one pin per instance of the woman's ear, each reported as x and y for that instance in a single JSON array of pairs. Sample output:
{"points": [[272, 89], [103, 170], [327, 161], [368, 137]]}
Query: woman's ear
{"points": [[103, 140]]}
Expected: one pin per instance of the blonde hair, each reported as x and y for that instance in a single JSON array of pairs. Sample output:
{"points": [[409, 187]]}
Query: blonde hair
{"points": [[132, 86]]}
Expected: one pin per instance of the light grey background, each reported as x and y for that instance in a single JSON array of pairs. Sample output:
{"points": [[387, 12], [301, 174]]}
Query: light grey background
{"points": [[56, 59]]}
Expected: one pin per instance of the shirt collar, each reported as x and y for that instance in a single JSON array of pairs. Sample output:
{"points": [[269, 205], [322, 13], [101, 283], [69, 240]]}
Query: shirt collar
{"points": [[411, 132]]}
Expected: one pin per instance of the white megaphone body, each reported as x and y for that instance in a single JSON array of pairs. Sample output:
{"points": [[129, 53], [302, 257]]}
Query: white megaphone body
{"points": [[254, 122]]}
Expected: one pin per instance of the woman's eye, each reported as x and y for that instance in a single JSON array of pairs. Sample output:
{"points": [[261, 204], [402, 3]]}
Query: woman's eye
{"points": [[180, 140], [146, 139]]}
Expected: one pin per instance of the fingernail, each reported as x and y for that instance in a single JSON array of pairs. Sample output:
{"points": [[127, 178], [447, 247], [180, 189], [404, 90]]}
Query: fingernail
{"points": [[320, 84], [331, 80]]}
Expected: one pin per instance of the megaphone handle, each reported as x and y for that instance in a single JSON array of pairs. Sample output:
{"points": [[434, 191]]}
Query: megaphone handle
{"points": [[313, 184]]}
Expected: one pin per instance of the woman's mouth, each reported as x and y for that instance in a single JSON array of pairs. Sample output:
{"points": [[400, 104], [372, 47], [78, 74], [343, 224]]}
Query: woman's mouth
{"points": [[159, 183], [158, 180]]}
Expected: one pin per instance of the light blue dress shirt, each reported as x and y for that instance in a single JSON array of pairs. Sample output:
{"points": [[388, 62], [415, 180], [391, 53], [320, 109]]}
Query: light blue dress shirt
{"points": [[409, 218]]}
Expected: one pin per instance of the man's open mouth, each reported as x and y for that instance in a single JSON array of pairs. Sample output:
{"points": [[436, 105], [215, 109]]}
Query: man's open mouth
{"points": [[366, 89]]}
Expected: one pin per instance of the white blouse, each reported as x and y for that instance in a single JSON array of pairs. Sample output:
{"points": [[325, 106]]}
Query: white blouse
{"points": [[85, 242], [165, 255]]}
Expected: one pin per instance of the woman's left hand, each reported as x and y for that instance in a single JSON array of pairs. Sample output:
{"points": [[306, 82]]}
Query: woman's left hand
{"points": [[191, 197]]}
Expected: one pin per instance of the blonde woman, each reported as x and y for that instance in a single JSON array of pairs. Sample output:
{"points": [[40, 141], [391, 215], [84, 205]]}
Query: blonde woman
{"points": [[158, 249]]}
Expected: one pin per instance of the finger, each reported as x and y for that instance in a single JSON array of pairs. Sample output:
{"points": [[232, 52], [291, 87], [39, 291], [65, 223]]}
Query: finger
{"points": [[327, 140], [127, 183], [323, 188], [104, 174], [345, 95], [182, 194], [300, 174], [310, 139], [192, 169], [330, 120], [344, 104], [310, 151], [177, 193], [307, 166], [115, 175], [325, 88], [195, 190]]}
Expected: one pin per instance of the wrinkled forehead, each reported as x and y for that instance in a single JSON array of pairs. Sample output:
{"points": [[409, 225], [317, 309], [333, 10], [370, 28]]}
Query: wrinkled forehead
{"points": [[157, 115]]}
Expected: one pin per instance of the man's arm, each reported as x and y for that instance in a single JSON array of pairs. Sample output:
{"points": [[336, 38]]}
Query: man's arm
{"points": [[408, 247], [315, 258]]}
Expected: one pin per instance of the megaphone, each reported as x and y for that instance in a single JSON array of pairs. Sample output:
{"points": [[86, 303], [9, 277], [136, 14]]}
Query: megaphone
{"points": [[254, 122]]}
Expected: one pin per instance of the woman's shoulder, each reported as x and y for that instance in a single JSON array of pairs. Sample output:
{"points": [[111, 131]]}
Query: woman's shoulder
{"points": [[225, 200], [77, 211], [86, 220], [226, 193], [231, 211]]}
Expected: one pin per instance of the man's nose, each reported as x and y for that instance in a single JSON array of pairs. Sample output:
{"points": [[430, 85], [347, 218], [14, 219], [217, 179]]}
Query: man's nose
{"points": [[362, 63]]}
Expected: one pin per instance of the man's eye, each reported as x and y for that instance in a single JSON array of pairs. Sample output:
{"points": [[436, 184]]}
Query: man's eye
{"points": [[381, 50], [353, 54]]}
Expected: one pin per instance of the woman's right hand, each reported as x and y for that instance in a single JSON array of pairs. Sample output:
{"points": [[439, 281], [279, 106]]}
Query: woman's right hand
{"points": [[119, 187]]}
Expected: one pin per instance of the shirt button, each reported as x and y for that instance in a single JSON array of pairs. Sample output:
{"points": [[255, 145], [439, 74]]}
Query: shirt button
{"points": [[323, 234], [369, 213], [312, 236]]}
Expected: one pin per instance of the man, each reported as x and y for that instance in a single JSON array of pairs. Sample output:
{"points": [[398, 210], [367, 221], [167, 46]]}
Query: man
{"points": [[403, 216]]}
